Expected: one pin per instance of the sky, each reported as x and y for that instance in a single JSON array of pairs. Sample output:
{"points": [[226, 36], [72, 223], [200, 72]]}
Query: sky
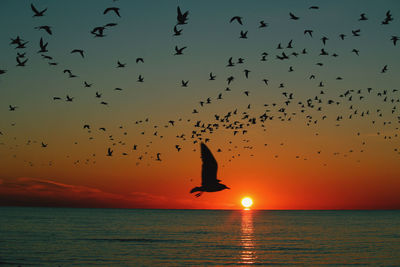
{"points": [[326, 140]]}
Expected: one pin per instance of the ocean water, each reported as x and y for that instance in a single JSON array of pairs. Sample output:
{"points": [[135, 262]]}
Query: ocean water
{"points": [[124, 237]]}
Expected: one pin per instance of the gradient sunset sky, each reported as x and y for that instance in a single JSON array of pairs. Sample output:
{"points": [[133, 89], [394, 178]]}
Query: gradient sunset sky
{"points": [[325, 143]]}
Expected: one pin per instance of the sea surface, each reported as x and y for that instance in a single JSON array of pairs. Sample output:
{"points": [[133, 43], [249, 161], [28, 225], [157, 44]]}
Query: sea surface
{"points": [[128, 237]]}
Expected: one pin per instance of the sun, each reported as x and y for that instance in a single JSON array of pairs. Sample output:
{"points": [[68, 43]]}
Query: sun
{"points": [[247, 202]]}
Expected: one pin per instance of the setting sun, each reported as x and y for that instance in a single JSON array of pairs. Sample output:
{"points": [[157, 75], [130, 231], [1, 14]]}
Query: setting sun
{"points": [[247, 202]]}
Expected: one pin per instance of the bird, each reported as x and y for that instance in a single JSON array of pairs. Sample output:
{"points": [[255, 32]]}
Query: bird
{"points": [[237, 18], [115, 9], [179, 51], [21, 63], [80, 51], [184, 83], [46, 28], [109, 152], [139, 59], [12, 108], [87, 85], [263, 24], [293, 17], [209, 181], [246, 73], [212, 77], [182, 17], [356, 32], [308, 32], [120, 65], [43, 46], [394, 39], [37, 12], [243, 35], [176, 31], [363, 17]]}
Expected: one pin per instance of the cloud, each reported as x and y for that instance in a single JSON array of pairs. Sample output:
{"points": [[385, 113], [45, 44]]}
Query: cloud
{"points": [[41, 192]]}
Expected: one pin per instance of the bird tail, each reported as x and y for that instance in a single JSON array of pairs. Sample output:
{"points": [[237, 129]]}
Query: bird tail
{"points": [[197, 188]]}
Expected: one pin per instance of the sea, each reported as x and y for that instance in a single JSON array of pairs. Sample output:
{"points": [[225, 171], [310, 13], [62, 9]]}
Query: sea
{"points": [[32, 236]]}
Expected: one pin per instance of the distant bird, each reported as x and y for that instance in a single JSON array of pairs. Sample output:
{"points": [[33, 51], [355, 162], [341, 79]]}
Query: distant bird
{"points": [[309, 32], [109, 152], [362, 17], [21, 63], [120, 65], [140, 79], [87, 85], [37, 12], [182, 17], [293, 17], [384, 69], [209, 181], [179, 51], [46, 28], [184, 83], [139, 59], [43, 46], [356, 32], [115, 9], [243, 35], [80, 51], [237, 18], [394, 39], [263, 24], [12, 108], [2, 71], [212, 77], [176, 31], [44, 145]]}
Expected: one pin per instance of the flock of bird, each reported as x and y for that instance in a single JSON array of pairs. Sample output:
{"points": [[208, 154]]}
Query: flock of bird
{"points": [[351, 104]]}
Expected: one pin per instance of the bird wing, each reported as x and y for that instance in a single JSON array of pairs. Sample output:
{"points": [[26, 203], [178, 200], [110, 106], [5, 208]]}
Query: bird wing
{"points": [[34, 9], [209, 167]]}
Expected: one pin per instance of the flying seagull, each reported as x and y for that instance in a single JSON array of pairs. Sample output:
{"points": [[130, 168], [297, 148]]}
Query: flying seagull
{"points": [[209, 181]]}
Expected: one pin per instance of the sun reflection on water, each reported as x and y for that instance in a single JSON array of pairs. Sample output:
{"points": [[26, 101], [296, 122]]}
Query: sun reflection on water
{"points": [[248, 254]]}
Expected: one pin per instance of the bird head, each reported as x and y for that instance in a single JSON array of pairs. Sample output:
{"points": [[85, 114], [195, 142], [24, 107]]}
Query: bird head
{"points": [[224, 187]]}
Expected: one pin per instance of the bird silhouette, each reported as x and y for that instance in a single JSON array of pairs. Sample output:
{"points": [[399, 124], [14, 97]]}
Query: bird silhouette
{"points": [[115, 9], [176, 31], [182, 17], [37, 12], [179, 51], [209, 181], [80, 51], [237, 18], [293, 17], [46, 28]]}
